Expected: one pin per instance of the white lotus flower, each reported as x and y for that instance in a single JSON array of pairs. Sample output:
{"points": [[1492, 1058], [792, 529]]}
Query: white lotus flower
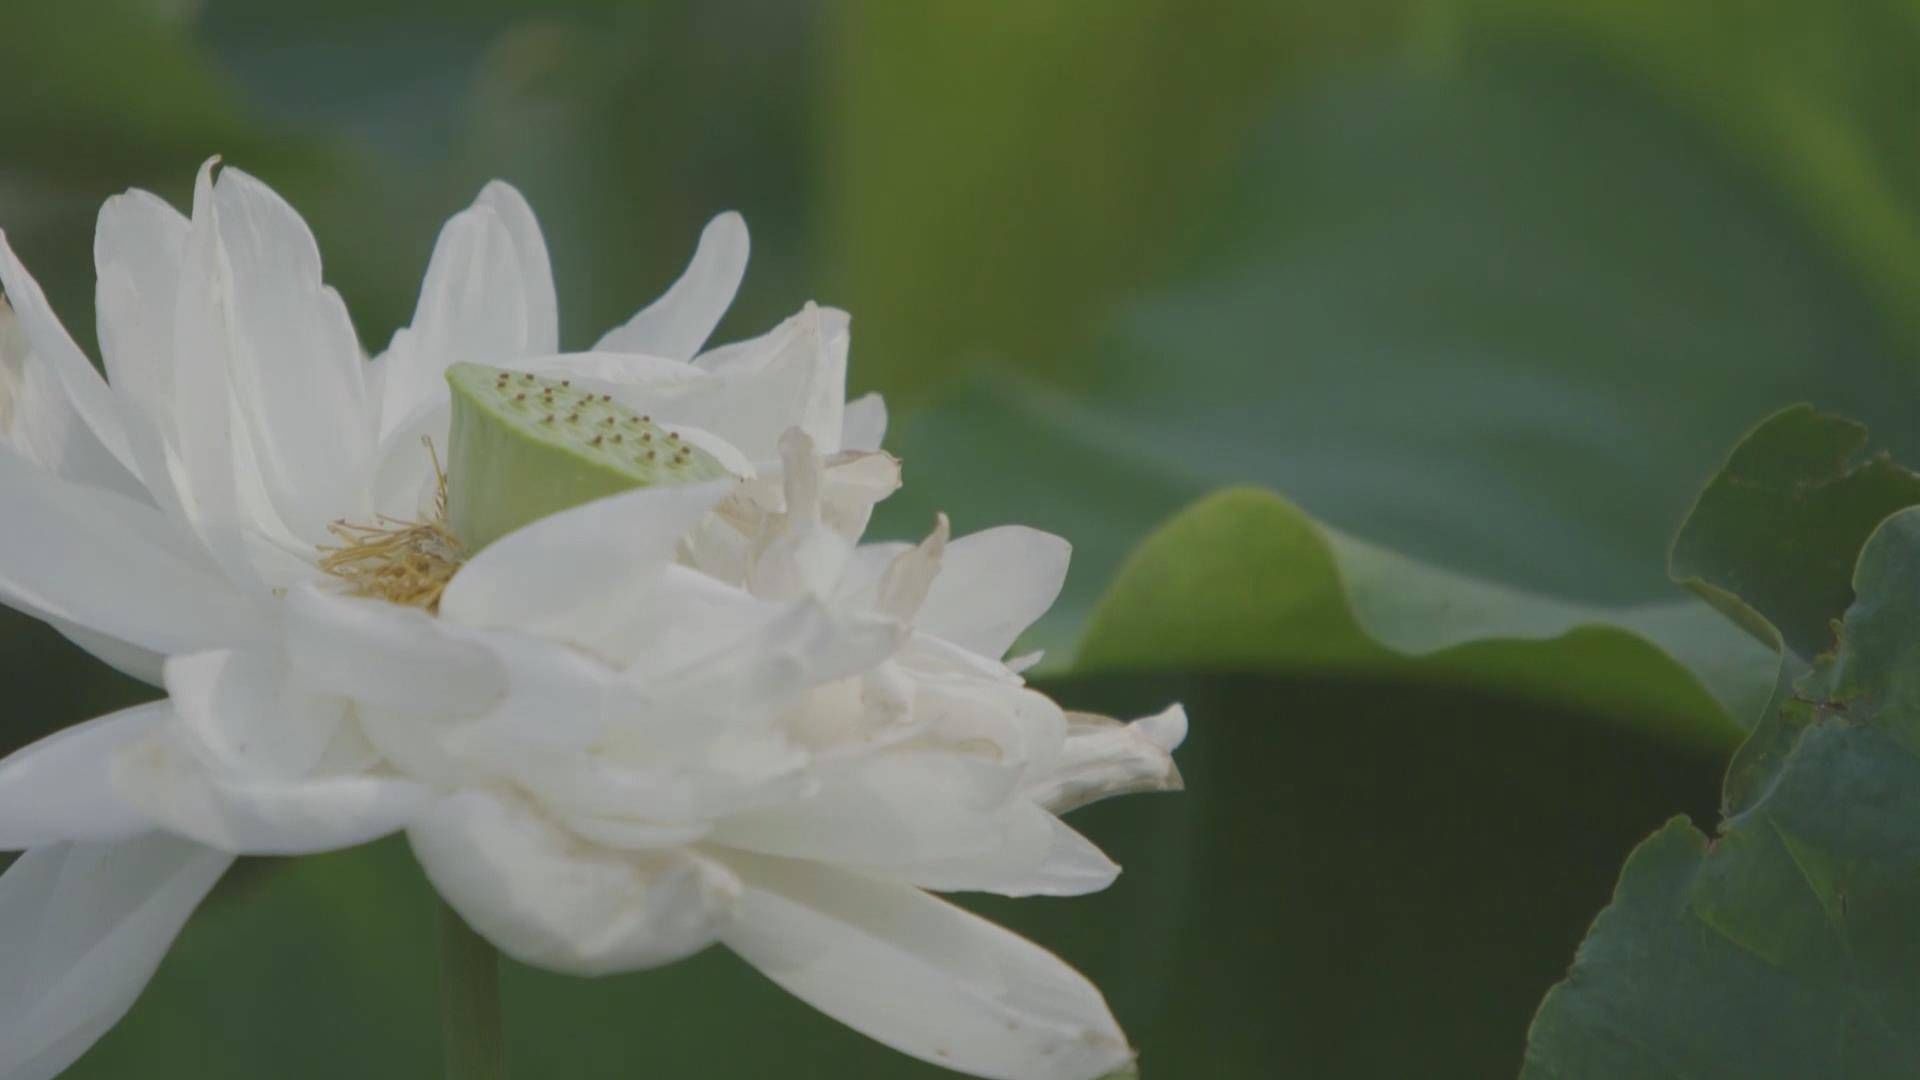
{"points": [[608, 755], [167, 509]]}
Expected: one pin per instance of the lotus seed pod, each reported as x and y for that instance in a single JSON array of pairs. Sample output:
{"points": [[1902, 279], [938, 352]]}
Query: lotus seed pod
{"points": [[523, 447]]}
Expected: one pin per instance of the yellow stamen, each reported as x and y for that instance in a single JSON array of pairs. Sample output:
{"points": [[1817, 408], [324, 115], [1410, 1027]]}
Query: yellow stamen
{"points": [[399, 561]]}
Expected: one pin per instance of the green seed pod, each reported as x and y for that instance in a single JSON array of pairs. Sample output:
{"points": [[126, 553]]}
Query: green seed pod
{"points": [[524, 447]]}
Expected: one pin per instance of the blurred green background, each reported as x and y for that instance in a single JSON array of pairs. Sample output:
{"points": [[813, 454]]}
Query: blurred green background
{"points": [[1483, 289]]}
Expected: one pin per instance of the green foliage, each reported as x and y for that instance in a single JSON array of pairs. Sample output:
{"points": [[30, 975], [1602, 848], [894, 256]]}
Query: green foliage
{"points": [[1245, 581], [998, 174], [1796, 493], [1381, 333], [1789, 946], [1819, 98]]}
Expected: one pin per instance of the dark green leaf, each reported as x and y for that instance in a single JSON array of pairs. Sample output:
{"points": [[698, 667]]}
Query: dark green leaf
{"points": [[1797, 493], [1790, 945]]}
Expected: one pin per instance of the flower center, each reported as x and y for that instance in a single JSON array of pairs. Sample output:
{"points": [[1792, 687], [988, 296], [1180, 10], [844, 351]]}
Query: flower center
{"points": [[399, 561], [524, 447]]}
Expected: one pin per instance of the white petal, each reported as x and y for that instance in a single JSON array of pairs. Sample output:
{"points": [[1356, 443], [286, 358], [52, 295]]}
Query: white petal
{"points": [[677, 324], [903, 586], [536, 270], [860, 583], [139, 254], [397, 657], [548, 899], [83, 927], [864, 425], [931, 819], [61, 787], [574, 573], [404, 479], [474, 306], [242, 715], [793, 376], [921, 975], [556, 695], [993, 585], [296, 364], [140, 243], [102, 561], [682, 617], [261, 815], [1102, 758], [207, 440], [1041, 856], [51, 345], [129, 660], [750, 680]]}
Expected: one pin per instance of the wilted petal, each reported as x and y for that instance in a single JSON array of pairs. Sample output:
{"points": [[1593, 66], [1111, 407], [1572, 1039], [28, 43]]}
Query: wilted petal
{"points": [[677, 324], [921, 975], [82, 929], [546, 898], [1103, 757], [993, 585], [61, 787]]}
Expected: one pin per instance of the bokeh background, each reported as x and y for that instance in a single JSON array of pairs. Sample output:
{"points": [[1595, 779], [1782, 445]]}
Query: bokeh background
{"points": [[1484, 288]]}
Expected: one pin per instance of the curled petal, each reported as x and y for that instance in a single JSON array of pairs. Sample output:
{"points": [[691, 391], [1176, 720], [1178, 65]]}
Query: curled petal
{"points": [[545, 897], [1103, 758]]}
